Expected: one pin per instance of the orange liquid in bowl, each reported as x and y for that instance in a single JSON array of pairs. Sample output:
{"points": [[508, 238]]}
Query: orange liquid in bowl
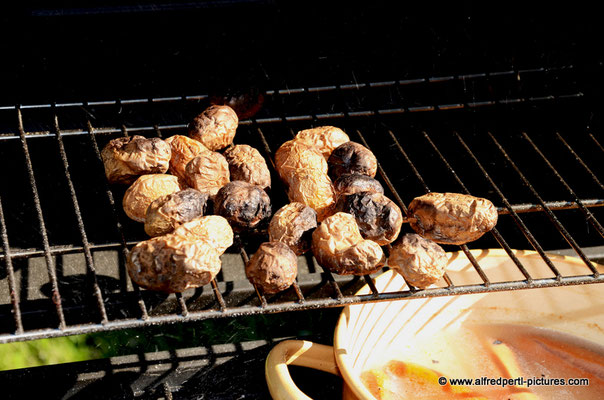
{"points": [[538, 356]]}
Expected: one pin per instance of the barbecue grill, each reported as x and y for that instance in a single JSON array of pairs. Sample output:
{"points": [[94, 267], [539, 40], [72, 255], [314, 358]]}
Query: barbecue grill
{"points": [[467, 104]]}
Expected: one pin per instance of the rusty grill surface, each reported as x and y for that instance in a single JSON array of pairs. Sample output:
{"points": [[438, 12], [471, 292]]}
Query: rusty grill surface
{"points": [[529, 140]]}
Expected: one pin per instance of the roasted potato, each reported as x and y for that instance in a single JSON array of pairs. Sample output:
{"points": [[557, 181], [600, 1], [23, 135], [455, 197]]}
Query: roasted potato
{"points": [[244, 205], [215, 127], [273, 267], [323, 138], [126, 158], [247, 164], [379, 219], [212, 229], [208, 172], [348, 184], [179, 260], [337, 245], [315, 190], [145, 190], [420, 261], [184, 149], [294, 156], [304, 170], [352, 158], [451, 218], [168, 212], [293, 224]]}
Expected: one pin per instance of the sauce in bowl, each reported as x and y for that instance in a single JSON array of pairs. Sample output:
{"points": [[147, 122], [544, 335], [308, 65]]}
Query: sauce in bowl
{"points": [[494, 361]]}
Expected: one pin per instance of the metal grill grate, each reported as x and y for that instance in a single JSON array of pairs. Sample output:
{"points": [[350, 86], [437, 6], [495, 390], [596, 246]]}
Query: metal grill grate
{"points": [[521, 138]]}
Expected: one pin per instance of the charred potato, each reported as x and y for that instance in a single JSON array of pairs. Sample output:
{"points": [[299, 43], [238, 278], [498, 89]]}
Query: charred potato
{"points": [[184, 149], [293, 224], [215, 127], [244, 205], [352, 157], [273, 267], [247, 164], [126, 158], [420, 261], [145, 190], [207, 172], [348, 184], [323, 138], [337, 245], [379, 219], [313, 189], [175, 262], [168, 212], [451, 218]]}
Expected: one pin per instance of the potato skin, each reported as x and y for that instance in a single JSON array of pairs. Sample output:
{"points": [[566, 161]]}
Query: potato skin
{"points": [[304, 171], [247, 164], [451, 218], [207, 172], [323, 138], [315, 190], [215, 127], [379, 219], [352, 157], [212, 229], [348, 184], [184, 149], [145, 190], [273, 267], [294, 156], [337, 245], [168, 212], [244, 205], [126, 158], [293, 224], [187, 258], [420, 261], [169, 264]]}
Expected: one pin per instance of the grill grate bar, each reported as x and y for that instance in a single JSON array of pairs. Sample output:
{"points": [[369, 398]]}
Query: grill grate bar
{"points": [[10, 273], [588, 215], [598, 144], [580, 160], [50, 265], [527, 233], [123, 247], [184, 311], [548, 212], [396, 195], [295, 118], [269, 154], [76, 207], [371, 284], [311, 304], [385, 177], [494, 231], [246, 259], [332, 282], [290, 91], [218, 295], [18, 253], [421, 180]]}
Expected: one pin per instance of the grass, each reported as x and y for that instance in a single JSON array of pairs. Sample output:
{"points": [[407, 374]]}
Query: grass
{"points": [[165, 337]]}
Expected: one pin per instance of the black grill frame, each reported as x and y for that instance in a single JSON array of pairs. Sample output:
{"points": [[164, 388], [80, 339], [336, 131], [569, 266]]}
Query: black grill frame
{"points": [[337, 298]]}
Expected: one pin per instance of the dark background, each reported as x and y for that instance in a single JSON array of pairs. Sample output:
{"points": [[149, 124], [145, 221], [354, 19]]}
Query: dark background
{"points": [[61, 50]]}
